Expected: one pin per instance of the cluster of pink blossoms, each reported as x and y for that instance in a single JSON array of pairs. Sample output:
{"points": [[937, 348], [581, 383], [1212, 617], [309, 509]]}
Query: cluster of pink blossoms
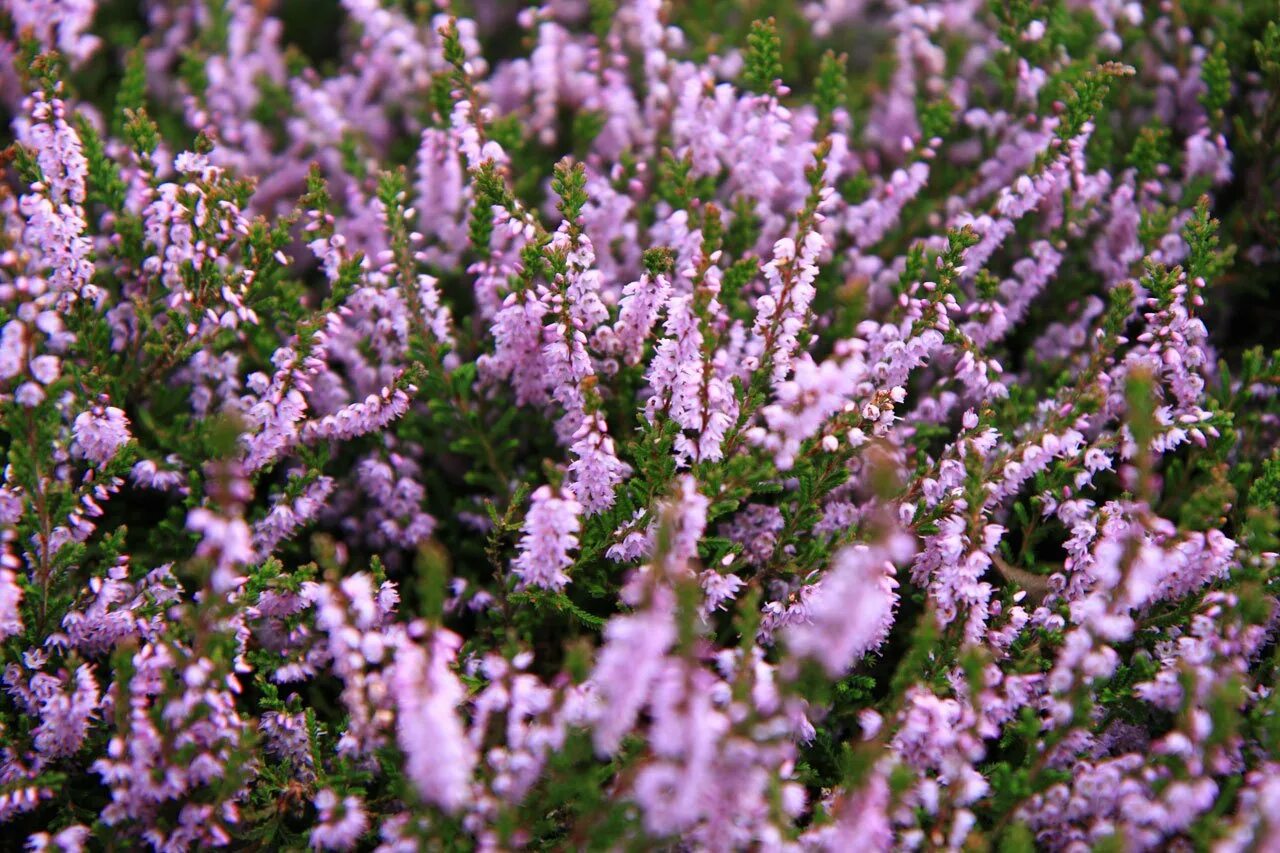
{"points": [[471, 426]]}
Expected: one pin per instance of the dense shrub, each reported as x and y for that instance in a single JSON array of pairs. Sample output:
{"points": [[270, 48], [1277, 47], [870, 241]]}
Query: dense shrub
{"points": [[619, 424]]}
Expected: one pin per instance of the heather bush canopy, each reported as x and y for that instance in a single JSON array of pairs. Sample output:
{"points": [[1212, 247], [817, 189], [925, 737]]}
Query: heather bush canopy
{"points": [[623, 424]]}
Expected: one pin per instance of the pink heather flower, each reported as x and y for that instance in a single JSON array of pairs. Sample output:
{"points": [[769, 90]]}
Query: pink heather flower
{"points": [[358, 419], [677, 362], [550, 534], [1208, 156], [686, 512], [849, 612], [438, 757], [10, 598], [783, 311], [1257, 826], [277, 410], [1026, 192], [697, 397], [59, 25], [436, 316], [805, 402], [55, 219], [65, 710], [200, 712], [396, 493], [342, 822], [596, 471], [684, 735], [352, 617], [756, 529], [46, 368], [442, 193], [57, 148], [718, 590], [286, 738], [29, 394], [869, 221], [286, 517], [633, 540], [69, 840], [635, 647], [534, 726], [568, 363], [13, 349], [642, 301], [862, 820], [227, 542], [148, 474], [100, 433], [517, 354]]}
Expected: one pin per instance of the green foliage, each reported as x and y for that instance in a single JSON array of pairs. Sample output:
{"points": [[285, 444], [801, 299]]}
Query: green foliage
{"points": [[832, 85], [936, 118], [1265, 492], [1085, 97], [1206, 262], [1151, 150], [1216, 74], [762, 66], [570, 185], [659, 260]]}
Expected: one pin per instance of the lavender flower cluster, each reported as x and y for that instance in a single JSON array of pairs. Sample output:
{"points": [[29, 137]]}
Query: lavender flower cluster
{"points": [[615, 424]]}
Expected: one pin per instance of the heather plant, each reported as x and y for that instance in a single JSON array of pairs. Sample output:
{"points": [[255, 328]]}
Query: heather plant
{"points": [[619, 424]]}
